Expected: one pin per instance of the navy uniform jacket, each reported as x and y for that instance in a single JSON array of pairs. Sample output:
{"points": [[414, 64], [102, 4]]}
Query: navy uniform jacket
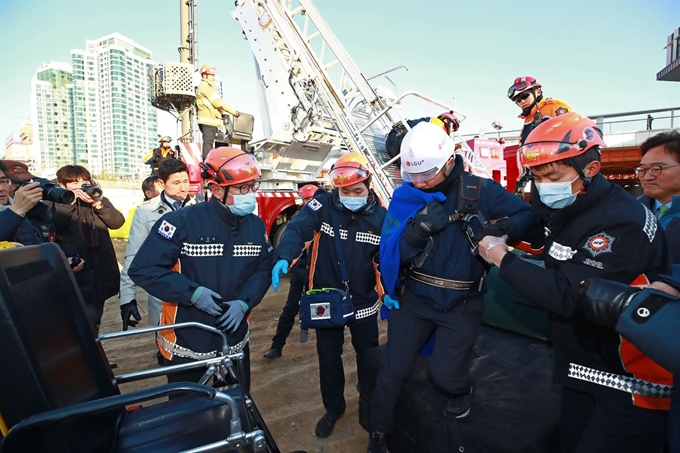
{"points": [[211, 247], [450, 257], [360, 237], [607, 234]]}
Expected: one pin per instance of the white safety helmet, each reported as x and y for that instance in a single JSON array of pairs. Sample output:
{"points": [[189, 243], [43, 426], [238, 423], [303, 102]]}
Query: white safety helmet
{"points": [[424, 151]]}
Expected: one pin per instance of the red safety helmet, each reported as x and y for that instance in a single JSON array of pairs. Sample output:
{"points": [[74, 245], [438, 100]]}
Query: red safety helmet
{"points": [[349, 169], [559, 138], [451, 122], [208, 69], [308, 191], [522, 84], [227, 166]]}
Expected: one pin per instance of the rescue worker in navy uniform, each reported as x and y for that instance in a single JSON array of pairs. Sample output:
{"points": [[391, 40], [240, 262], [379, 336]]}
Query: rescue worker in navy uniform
{"points": [[297, 286], [360, 215], [223, 258], [593, 229], [444, 293]]}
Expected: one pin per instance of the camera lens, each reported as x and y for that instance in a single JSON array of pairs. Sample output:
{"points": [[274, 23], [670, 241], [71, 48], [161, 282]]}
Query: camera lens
{"points": [[59, 195]]}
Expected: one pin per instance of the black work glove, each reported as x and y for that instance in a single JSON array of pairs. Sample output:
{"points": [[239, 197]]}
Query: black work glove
{"points": [[499, 228], [603, 301], [428, 221], [130, 309]]}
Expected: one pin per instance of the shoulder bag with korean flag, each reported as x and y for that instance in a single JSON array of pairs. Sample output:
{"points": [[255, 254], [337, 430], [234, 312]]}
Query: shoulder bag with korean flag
{"points": [[328, 307]]}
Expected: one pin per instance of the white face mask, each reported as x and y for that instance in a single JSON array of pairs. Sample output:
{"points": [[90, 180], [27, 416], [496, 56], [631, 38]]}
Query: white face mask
{"points": [[556, 195]]}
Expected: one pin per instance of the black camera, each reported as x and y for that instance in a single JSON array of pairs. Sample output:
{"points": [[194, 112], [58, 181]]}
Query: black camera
{"points": [[53, 193], [94, 191], [76, 260]]}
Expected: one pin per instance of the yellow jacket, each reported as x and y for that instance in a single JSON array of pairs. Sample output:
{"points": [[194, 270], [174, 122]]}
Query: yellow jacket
{"points": [[210, 105]]}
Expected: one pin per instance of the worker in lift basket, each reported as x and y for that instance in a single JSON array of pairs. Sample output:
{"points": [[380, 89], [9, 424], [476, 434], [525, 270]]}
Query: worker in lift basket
{"points": [[614, 398], [210, 107]]}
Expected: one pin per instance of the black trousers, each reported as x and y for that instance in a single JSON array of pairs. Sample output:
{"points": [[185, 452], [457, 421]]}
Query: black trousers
{"points": [[95, 312], [209, 133], [590, 423], [193, 375], [329, 348], [290, 310], [408, 329]]}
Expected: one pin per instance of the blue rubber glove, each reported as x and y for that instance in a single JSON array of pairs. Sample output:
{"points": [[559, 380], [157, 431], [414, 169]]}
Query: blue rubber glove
{"points": [[391, 303], [281, 267], [231, 319], [204, 299]]}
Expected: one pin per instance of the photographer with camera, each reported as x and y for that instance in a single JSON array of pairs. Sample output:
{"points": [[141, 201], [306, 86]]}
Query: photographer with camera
{"points": [[23, 218], [88, 220]]}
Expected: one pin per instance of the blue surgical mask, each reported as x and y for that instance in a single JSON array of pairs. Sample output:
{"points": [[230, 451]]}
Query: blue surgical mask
{"points": [[243, 204], [353, 203], [556, 195]]}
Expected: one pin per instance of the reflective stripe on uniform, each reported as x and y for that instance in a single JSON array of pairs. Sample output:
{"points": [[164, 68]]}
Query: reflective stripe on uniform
{"points": [[366, 312], [180, 351], [618, 382]]}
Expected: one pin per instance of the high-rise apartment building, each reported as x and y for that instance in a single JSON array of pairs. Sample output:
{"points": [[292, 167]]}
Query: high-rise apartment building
{"points": [[113, 122], [96, 112], [51, 91]]}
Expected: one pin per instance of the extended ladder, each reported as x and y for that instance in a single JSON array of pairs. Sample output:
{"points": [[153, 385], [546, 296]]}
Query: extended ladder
{"points": [[329, 104]]}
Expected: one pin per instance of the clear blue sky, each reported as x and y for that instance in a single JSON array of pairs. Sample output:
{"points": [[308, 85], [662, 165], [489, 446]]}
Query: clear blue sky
{"points": [[600, 56]]}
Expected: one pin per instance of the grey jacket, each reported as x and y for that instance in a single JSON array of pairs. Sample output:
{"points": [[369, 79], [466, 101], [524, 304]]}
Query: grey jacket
{"points": [[144, 218]]}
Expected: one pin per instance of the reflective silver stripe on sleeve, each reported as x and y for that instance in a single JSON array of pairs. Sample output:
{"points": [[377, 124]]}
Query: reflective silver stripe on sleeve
{"points": [[618, 382]]}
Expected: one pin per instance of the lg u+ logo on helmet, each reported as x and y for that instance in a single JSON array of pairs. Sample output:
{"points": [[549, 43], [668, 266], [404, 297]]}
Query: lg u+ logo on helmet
{"points": [[414, 163]]}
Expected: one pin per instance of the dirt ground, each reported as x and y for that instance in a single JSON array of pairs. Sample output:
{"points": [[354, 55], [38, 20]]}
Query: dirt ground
{"points": [[285, 390]]}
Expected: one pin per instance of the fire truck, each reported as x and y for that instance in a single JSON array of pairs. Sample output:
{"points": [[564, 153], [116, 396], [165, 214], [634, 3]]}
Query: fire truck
{"points": [[319, 105]]}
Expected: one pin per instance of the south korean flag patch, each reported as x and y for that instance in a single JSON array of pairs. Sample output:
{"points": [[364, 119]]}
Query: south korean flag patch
{"points": [[167, 230], [314, 205]]}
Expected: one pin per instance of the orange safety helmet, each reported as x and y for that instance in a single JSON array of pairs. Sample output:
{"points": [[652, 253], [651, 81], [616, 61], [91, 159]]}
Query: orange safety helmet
{"points": [[208, 69], [227, 166], [559, 138], [308, 191], [349, 169], [522, 84]]}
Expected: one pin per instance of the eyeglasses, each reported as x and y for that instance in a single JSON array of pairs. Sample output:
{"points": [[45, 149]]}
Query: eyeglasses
{"points": [[654, 170], [5, 182], [246, 188], [521, 97]]}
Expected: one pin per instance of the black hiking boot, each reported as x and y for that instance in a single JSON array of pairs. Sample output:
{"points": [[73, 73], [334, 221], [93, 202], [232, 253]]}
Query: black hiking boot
{"points": [[324, 428], [377, 443], [273, 353], [459, 406]]}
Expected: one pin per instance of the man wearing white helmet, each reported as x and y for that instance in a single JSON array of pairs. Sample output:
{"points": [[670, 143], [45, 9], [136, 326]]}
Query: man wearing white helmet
{"points": [[441, 290]]}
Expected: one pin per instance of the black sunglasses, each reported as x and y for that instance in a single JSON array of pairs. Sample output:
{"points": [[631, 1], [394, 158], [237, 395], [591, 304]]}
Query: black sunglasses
{"points": [[521, 97]]}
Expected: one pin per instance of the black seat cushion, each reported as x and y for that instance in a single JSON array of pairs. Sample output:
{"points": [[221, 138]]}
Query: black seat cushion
{"points": [[515, 405], [179, 424]]}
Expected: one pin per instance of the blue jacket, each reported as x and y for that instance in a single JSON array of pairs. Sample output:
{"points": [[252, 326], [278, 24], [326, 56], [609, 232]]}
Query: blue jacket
{"points": [[670, 224], [450, 257], [14, 227], [657, 336], [211, 247], [360, 234]]}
